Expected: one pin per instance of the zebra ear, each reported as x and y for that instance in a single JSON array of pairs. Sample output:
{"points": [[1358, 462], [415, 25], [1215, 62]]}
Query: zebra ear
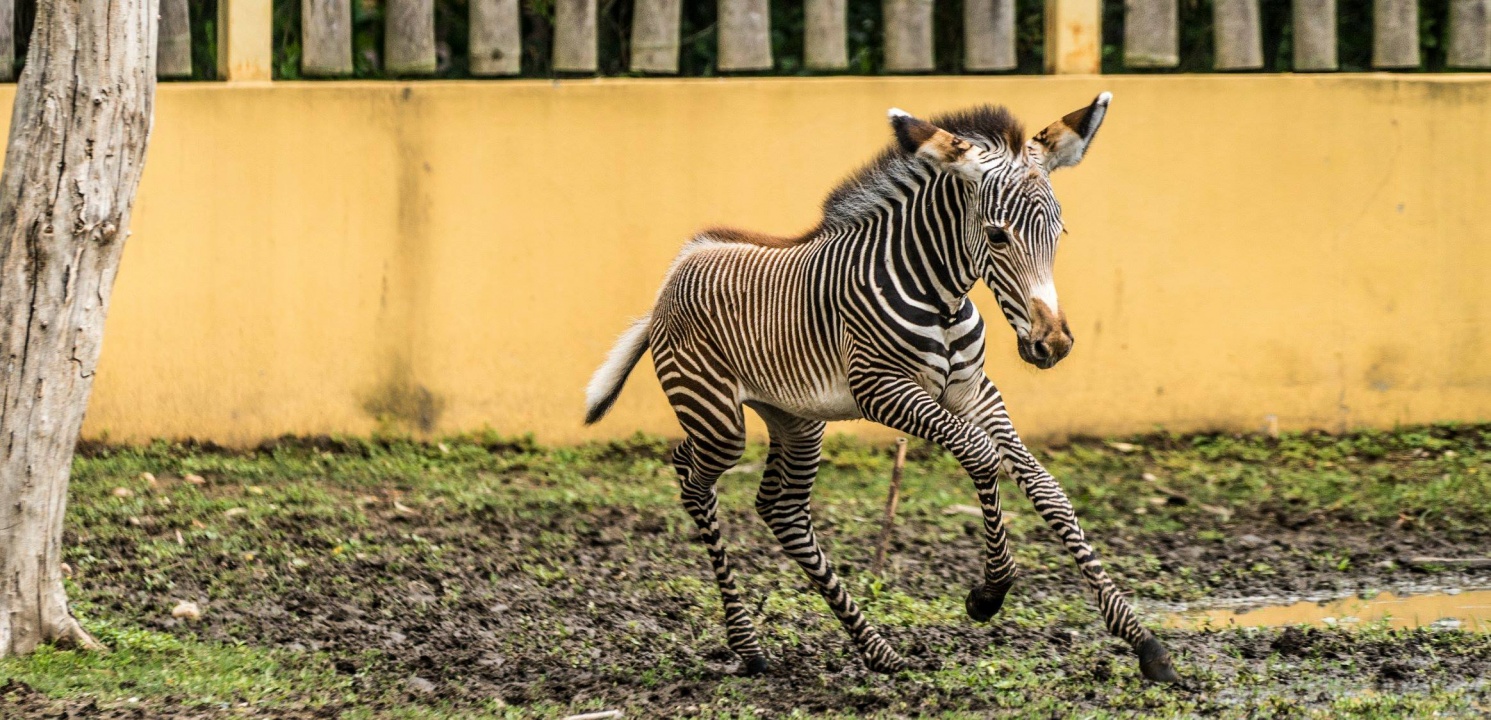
{"points": [[947, 151], [1064, 142]]}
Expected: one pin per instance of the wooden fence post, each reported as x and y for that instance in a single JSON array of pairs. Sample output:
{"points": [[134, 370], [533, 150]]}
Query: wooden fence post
{"points": [[745, 35], [989, 35], [908, 35], [325, 37], [574, 36], [1239, 35], [7, 40], [1074, 37], [1151, 37], [1395, 34], [173, 41], [494, 37], [655, 28], [1470, 34], [1315, 35], [409, 37], [826, 38], [245, 40]]}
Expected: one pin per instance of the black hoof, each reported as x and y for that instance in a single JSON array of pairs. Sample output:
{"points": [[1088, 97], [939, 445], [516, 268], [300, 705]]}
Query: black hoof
{"points": [[1154, 662], [984, 601], [753, 666]]}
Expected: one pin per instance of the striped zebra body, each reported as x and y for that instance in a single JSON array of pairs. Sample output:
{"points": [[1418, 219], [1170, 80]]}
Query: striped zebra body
{"points": [[868, 316]]}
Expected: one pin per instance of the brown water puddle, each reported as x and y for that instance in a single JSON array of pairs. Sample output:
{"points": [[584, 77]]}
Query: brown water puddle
{"points": [[1469, 610]]}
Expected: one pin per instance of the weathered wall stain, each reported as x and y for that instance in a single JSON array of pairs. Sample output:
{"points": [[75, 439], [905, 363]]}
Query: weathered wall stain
{"points": [[400, 399], [401, 404], [1387, 368]]}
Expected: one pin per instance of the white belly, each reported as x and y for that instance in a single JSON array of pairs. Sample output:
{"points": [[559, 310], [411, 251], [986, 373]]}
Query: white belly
{"points": [[832, 401]]}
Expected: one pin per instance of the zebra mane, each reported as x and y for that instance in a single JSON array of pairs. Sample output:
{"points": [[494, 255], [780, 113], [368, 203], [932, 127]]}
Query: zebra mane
{"points": [[883, 177]]}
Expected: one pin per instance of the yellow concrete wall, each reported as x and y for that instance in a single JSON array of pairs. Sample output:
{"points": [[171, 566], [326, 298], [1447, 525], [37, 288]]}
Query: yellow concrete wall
{"points": [[308, 258]]}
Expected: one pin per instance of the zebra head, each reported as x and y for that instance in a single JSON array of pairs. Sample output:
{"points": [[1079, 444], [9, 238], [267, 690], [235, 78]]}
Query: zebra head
{"points": [[1015, 223]]}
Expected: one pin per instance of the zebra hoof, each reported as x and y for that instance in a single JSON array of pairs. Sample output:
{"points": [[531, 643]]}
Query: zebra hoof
{"points": [[1154, 662], [984, 602], [753, 666]]}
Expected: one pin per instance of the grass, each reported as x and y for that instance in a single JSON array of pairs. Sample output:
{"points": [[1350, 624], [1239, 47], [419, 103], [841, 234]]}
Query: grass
{"points": [[486, 577]]}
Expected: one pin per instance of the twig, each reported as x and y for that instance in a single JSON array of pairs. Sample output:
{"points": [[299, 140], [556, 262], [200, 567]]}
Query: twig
{"points": [[602, 715], [1185, 499], [1475, 563], [892, 501]]}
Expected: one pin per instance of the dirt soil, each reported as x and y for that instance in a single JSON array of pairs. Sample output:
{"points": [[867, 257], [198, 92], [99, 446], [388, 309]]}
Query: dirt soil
{"points": [[528, 604], [588, 646]]}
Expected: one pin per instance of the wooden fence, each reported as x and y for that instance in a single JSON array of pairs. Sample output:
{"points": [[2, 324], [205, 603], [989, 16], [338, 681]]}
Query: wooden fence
{"points": [[1073, 36]]}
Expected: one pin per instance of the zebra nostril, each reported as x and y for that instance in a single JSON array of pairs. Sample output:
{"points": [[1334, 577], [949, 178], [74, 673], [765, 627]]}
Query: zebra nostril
{"points": [[1040, 350]]}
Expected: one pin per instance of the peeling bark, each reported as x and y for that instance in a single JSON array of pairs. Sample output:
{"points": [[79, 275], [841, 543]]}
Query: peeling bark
{"points": [[77, 144]]}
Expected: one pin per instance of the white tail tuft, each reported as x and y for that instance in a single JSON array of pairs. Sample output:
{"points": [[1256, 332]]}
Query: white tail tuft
{"points": [[605, 385], [894, 113]]}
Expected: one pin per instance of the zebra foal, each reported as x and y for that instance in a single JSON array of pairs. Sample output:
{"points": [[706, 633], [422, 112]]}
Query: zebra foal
{"points": [[867, 316]]}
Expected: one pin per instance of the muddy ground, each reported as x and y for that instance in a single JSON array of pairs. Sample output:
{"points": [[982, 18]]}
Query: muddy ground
{"points": [[529, 584]]}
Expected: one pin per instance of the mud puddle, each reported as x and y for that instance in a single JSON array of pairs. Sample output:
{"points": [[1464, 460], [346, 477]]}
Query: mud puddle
{"points": [[1468, 610]]}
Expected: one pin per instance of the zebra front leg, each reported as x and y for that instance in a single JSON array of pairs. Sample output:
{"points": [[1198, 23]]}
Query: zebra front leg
{"points": [[699, 465], [986, 599], [970, 401], [784, 502], [1056, 509], [903, 405]]}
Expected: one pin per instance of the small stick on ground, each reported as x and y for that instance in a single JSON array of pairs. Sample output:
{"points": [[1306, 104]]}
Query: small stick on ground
{"points": [[602, 715], [1470, 563], [892, 501]]}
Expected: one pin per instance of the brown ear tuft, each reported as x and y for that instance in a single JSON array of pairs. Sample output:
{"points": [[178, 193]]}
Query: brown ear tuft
{"points": [[911, 132], [1064, 142]]}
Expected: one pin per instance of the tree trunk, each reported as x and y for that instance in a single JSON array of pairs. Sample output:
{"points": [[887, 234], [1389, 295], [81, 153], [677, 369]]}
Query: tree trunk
{"points": [[77, 144]]}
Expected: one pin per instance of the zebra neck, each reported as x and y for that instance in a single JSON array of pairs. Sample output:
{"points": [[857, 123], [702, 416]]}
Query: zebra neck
{"points": [[926, 242]]}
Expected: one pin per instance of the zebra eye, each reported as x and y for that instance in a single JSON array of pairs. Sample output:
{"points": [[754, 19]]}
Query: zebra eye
{"points": [[997, 236]]}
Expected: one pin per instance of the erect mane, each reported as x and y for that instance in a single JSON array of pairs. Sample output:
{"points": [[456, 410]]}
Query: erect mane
{"points": [[883, 177]]}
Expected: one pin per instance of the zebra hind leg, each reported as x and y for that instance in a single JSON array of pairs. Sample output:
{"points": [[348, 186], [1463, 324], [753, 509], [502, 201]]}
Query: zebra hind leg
{"points": [[699, 465], [784, 503]]}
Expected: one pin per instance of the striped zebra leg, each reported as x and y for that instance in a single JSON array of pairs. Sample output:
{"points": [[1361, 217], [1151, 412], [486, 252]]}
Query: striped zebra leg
{"points": [[699, 466], [1000, 571], [784, 502], [901, 404], [1056, 509], [714, 425]]}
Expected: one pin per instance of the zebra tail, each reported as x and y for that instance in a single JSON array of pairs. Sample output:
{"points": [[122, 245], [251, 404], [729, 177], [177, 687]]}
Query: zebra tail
{"points": [[605, 385]]}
